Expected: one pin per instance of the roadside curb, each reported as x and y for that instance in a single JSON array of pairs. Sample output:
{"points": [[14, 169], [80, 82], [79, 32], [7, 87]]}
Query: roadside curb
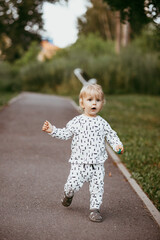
{"points": [[150, 206], [147, 202]]}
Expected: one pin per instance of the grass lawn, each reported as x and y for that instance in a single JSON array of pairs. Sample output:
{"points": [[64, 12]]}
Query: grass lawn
{"points": [[5, 97], [136, 118]]}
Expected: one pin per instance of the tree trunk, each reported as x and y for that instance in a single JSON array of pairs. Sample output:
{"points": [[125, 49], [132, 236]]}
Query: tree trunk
{"points": [[106, 26], [104, 20], [118, 32], [125, 33], [126, 30]]}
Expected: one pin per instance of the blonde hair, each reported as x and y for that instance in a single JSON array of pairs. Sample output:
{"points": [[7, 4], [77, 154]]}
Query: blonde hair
{"points": [[92, 89]]}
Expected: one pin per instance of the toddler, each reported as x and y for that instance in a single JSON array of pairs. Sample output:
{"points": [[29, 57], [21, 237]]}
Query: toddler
{"points": [[88, 151]]}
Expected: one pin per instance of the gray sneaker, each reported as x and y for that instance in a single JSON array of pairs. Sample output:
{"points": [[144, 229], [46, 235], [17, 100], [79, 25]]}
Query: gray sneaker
{"points": [[95, 215], [66, 201]]}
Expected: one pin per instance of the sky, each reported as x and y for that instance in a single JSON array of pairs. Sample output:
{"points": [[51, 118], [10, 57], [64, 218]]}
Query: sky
{"points": [[60, 21]]}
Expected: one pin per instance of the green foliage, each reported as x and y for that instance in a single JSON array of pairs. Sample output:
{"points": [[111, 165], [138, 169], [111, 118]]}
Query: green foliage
{"points": [[93, 45], [56, 75], [98, 18], [5, 97], [138, 72], [9, 81], [136, 11], [135, 70], [47, 76], [29, 56], [5, 73], [149, 40], [20, 23]]}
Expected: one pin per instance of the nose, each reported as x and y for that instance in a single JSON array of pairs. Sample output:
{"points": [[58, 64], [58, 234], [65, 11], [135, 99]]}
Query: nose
{"points": [[94, 101]]}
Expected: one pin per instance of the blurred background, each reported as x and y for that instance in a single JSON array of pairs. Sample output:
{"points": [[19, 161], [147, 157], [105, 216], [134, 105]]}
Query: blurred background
{"points": [[115, 41]]}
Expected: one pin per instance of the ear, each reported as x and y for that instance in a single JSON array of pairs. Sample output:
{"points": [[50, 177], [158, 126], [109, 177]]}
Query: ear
{"points": [[81, 103]]}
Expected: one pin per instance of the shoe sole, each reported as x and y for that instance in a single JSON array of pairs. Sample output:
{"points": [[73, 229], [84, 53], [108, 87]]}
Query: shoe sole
{"points": [[100, 220]]}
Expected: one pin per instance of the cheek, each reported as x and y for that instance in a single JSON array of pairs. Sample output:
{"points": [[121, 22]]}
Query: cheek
{"points": [[100, 106], [86, 104]]}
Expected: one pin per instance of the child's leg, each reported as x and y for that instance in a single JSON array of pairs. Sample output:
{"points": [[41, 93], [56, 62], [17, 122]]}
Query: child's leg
{"points": [[97, 186], [75, 180]]}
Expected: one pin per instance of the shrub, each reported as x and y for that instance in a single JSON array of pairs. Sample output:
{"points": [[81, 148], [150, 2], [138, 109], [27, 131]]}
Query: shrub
{"points": [[134, 70], [9, 81]]}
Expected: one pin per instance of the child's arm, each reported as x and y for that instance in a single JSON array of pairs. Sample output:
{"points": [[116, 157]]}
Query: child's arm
{"points": [[61, 133], [113, 139]]}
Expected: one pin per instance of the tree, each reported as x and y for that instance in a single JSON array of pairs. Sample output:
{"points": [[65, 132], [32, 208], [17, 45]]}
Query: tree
{"points": [[131, 16], [98, 18], [106, 21], [137, 12], [20, 24]]}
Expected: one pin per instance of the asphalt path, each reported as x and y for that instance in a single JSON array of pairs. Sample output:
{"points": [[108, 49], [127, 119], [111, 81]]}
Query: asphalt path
{"points": [[33, 170]]}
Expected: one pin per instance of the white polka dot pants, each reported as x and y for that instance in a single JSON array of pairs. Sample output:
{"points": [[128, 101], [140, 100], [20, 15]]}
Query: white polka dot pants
{"points": [[94, 174]]}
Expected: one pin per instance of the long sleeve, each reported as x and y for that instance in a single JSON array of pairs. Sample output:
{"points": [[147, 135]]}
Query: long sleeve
{"points": [[112, 137], [89, 137], [63, 133]]}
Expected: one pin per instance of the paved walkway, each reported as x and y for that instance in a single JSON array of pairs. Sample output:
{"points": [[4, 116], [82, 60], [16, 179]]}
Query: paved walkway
{"points": [[33, 170]]}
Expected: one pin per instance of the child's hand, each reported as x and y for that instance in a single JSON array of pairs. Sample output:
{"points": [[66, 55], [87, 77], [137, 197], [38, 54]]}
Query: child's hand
{"points": [[119, 149], [47, 127]]}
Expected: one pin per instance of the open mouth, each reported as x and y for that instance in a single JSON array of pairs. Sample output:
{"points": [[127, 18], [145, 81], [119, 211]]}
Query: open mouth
{"points": [[93, 108]]}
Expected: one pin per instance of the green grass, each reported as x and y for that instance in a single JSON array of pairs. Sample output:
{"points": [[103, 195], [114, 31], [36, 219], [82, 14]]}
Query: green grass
{"points": [[5, 97], [136, 119]]}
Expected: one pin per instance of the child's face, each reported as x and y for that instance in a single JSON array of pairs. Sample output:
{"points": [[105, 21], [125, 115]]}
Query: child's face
{"points": [[91, 104]]}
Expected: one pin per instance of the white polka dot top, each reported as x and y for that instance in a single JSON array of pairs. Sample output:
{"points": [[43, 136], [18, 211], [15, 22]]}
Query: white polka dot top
{"points": [[89, 135]]}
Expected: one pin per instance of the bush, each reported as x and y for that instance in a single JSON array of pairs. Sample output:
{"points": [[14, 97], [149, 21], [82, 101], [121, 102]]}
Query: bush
{"points": [[29, 56], [134, 70], [139, 72], [36, 76], [53, 77], [9, 81]]}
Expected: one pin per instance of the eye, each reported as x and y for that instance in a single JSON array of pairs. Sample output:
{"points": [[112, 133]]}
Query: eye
{"points": [[89, 99], [98, 100]]}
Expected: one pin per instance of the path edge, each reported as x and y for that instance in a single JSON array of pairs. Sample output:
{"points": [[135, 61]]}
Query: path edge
{"points": [[147, 202], [14, 99]]}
